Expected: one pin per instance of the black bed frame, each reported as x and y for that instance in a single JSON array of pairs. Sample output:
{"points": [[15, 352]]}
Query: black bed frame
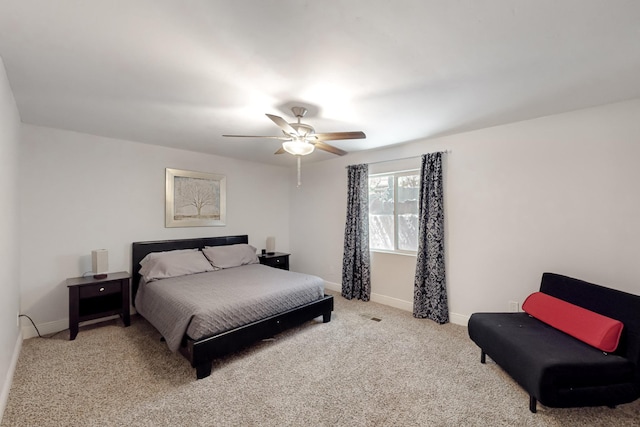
{"points": [[201, 353]]}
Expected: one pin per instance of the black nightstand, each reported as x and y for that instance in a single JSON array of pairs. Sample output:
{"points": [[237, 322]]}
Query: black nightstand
{"points": [[277, 260], [91, 298]]}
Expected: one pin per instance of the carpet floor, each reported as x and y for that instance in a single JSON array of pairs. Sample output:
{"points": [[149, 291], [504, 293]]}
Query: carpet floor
{"points": [[353, 371]]}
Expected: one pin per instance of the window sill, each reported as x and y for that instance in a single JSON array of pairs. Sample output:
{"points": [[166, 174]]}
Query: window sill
{"points": [[382, 251]]}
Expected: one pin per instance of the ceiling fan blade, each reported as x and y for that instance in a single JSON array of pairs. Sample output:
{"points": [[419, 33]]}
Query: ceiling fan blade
{"points": [[282, 124], [334, 136], [280, 151], [281, 138], [329, 148]]}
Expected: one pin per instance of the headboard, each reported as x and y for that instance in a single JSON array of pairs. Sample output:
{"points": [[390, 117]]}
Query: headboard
{"points": [[140, 249]]}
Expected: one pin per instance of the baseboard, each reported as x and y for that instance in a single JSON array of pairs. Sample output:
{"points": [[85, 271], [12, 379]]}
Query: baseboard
{"points": [[392, 302], [458, 319], [336, 287], [455, 318], [28, 331], [6, 387]]}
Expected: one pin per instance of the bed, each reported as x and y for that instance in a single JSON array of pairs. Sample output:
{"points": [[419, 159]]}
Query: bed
{"points": [[200, 346]]}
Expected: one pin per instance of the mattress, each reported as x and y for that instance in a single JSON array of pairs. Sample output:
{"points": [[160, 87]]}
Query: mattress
{"points": [[206, 304]]}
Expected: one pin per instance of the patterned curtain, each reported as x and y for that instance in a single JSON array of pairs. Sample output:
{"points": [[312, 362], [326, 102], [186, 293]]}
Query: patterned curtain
{"points": [[356, 273], [430, 290]]}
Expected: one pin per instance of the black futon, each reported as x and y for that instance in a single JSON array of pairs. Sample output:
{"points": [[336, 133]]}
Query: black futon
{"points": [[556, 369]]}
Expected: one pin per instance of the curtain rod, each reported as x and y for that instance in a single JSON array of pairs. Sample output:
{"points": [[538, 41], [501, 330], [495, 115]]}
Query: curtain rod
{"points": [[403, 158]]}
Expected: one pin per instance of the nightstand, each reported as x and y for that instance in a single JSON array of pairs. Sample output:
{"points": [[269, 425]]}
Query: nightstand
{"points": [[277, 260], [91, 298]]}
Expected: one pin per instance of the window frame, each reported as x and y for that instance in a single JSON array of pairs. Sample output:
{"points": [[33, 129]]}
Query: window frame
{"points": [[396, 175]]}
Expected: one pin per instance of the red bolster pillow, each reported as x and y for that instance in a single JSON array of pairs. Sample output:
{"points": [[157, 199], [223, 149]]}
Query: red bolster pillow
{"points": [[592, 328]]}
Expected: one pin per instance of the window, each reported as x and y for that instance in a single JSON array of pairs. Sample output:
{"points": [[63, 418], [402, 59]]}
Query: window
{"points": [[393, 211]]}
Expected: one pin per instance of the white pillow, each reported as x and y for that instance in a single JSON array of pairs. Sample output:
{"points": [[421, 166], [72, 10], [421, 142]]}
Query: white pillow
{"points": [[177, 263], [231, 255]]}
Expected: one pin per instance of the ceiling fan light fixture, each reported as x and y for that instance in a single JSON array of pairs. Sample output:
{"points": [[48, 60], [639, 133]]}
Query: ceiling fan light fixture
{"points": [[302, 139], [298, 147]]}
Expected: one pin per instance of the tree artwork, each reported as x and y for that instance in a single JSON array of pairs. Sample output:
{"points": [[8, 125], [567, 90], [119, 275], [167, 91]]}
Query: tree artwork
{"points": [[196, 198]]}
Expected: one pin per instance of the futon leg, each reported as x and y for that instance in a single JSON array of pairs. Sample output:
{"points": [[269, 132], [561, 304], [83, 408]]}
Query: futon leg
{"points": [[532, 404], [483, 357], [326, 318], [203, 370]]}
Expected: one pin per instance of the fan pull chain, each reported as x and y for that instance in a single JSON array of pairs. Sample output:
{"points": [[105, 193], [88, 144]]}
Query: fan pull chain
{"points": [[299, 182]]}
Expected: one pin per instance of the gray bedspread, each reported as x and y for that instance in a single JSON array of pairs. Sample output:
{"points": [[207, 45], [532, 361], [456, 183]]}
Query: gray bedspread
{"points": [[205, 304]]}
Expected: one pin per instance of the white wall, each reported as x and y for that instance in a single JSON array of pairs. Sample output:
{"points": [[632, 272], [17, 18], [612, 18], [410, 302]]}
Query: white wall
{"points": [[81, 192], [558, 193], [552, 194], [10, 340]]}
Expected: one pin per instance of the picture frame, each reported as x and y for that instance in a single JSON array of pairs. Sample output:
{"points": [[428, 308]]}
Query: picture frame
{"points": [[195, 199]]}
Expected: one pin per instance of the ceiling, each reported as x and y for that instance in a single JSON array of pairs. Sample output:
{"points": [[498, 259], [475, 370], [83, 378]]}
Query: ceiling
{"points": [[182, 73]]}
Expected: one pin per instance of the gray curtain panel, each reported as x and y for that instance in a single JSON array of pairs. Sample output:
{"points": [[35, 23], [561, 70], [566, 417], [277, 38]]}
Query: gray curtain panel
{"points": [[356, 270], [430, 290]]}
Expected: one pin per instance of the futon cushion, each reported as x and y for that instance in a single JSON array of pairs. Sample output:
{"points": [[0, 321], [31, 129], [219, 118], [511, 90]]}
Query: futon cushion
{"points": [[552, 366], [599, 331]]}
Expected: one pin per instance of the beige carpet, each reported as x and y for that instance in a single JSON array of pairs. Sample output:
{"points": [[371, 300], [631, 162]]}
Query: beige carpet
{"points": [[353, 371]]}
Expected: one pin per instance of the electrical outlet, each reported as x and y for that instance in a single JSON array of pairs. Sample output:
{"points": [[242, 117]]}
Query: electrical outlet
{"points": [[513, 306]]}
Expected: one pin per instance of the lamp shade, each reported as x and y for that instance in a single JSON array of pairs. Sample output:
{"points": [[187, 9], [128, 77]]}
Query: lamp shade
{"points": [[271, 244], [100, 263]]}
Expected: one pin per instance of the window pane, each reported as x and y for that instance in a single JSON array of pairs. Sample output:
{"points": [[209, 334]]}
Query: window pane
{"points": [[381, 232], [381, 212], [408, 196]]}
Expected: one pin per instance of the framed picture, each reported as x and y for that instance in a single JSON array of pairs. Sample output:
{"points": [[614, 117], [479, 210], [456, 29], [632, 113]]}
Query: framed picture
{"points": [[195, 199]]}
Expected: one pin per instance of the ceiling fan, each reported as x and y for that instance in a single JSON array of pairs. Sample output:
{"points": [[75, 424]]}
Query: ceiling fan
{"points": [[301, 139]]}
